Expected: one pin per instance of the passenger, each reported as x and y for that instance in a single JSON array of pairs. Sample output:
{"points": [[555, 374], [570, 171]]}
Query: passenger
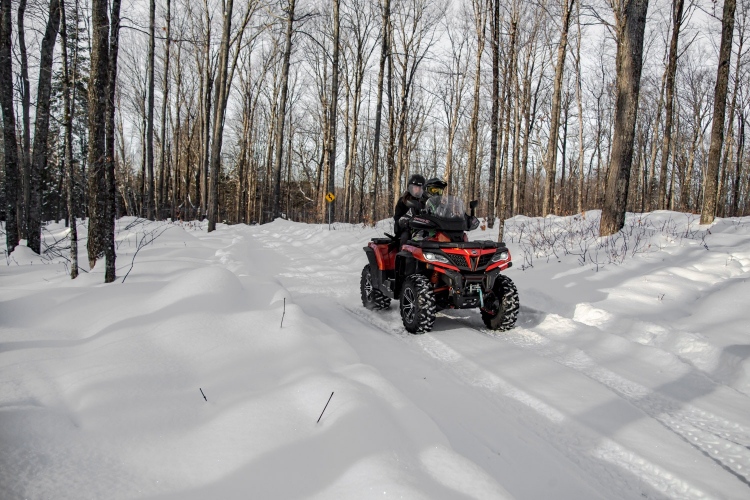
{"points": [[402, 213]]}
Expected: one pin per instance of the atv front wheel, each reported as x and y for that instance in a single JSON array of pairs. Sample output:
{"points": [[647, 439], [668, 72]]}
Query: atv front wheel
{"points": [[417, 304], [372, 298], [500, 310]]}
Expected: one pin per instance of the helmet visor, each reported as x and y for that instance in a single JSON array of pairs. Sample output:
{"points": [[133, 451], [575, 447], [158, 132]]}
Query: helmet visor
{"points": [[415, 190], [434, 190]]}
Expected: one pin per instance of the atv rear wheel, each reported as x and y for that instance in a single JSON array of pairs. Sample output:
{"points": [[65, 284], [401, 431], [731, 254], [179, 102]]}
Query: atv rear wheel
{"points": [[417, 304], [372, 298], [501, 306]]}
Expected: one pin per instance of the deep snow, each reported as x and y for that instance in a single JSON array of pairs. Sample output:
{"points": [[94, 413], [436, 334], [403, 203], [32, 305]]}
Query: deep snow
{"points": [[627, 375]]}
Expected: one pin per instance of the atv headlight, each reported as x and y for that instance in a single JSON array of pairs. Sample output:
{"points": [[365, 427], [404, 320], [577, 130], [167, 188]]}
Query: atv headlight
{"points": [[500, 256], [434, 257]]}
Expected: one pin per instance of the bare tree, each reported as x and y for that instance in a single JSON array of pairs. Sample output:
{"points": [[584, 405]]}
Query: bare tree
{"points": [[452, 92], [10, 146], [720, 102], [222, 87], [150, 208], [98, 204], [630, 23], [677, 7], [111, 215], [41, 129], [164, 104], [480, 24], [282, 107], [332, 112], [551, 160], [25, 119], [68, 144], [384, 54]]}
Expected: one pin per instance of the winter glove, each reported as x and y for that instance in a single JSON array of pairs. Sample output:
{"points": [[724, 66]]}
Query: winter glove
{"points": [[403, 222], [473, 223]]}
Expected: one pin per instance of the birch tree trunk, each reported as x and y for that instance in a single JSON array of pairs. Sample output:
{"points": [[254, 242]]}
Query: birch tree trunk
{"points": [[68, 145]]}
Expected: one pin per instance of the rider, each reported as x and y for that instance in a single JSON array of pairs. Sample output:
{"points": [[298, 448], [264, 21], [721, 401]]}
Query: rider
{"points": [[401, 215], [433, 187]]}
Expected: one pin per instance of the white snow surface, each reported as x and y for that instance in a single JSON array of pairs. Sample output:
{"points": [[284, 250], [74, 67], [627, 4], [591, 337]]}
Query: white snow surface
{"points": [[626, 377]]}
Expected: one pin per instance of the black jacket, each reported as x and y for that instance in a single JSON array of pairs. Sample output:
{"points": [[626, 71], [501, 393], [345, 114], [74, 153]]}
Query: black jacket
{"points": [[402, 210]]}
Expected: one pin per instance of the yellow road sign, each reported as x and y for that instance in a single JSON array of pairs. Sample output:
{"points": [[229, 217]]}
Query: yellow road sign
{"points": [[330, 197]]}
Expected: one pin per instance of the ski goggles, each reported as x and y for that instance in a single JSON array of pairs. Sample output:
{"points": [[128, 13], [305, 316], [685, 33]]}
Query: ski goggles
{"points": [[434, 190]]}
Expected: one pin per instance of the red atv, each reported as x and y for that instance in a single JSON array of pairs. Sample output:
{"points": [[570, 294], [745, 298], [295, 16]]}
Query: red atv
{"points": [[439, 269]]}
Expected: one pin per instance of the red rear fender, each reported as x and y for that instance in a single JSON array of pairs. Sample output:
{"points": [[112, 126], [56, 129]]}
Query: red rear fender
{"points": [[385, 255]]}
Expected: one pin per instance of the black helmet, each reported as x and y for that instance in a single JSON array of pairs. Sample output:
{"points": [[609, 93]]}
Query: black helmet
{"points": [[435, 186], [417, 180], [416, 183]]}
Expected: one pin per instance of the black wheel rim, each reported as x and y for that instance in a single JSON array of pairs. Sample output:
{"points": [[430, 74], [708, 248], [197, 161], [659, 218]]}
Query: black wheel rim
{"points": [[492, 306], [408, 305], [368, 287]]}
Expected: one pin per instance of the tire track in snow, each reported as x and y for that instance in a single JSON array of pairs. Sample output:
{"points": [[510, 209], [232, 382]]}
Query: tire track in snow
{"points": [[724, 442], [571, 439]]}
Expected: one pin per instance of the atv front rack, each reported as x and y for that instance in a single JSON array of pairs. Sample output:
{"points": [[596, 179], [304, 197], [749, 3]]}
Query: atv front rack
{"points": [[480, 244]]}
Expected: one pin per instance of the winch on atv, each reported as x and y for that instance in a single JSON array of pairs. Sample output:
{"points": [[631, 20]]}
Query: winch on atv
{"points": [[439, 269]]}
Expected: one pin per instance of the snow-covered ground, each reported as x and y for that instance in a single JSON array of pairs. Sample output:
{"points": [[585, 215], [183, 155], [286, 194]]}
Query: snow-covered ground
{"points": [[627, 376]]}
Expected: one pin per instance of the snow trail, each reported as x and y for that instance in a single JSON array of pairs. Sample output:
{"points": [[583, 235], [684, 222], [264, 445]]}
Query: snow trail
{"points": [[721, 441]]}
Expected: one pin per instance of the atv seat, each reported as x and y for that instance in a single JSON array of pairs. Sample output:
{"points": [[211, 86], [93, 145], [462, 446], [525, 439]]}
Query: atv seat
{"points": [[383, 241]]}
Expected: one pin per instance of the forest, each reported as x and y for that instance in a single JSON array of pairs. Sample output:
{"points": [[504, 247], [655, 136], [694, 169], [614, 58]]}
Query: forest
{"points": [[244, 111]]}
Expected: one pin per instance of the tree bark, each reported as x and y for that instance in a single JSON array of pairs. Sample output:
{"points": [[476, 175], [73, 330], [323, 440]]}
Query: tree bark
{"points": [[551, 163], [98, 98], [651, 189], [41, 129], [222, 88], [282, 109], [631, 23], [150, 209], [480, 23], [384, 48], [10, 151], [68, 146], [25, 158], [165, 101], [677, 7], [109, 243], [579, 102], [494, 114], [708, 213], [332, 112]]}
